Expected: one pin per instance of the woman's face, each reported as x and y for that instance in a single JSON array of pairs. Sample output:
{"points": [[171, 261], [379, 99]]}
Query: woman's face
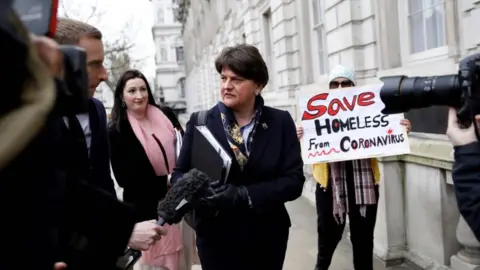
{"points": [[237, 91], [341, 83], [135, 95]]}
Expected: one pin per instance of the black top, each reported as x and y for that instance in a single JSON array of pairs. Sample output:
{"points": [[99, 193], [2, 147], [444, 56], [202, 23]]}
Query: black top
{"points": [[133, 171], [466, 179]]}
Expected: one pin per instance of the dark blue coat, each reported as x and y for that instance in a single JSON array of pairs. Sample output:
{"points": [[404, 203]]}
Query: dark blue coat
{"points": [[273, 176]]}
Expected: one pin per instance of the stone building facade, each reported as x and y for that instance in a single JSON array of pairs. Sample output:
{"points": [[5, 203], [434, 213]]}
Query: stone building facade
{"points": [[302, 39], [169, 58]]}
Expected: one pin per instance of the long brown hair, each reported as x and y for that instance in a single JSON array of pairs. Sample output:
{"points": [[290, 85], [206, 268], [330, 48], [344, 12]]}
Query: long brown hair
{"points": [[118, 112]]}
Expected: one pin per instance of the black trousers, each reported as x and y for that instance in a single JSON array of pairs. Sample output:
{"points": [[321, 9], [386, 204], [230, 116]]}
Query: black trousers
{"points": [[330, 232], [256, 251]]}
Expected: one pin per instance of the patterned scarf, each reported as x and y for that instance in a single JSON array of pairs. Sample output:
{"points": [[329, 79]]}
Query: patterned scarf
{"points": [[234, 134], [364, 184]]}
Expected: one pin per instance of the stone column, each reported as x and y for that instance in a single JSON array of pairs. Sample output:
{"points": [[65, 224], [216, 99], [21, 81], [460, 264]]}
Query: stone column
{"points": [[390, 229], [468, 258]]}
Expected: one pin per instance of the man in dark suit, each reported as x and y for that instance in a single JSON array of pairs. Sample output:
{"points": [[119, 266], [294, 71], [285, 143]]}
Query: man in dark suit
{"points": [[89, 152], [93, 150], [37, 198]]}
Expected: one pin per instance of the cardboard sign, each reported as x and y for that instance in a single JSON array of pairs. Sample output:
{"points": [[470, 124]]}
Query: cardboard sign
{"points": [[347, 124]]}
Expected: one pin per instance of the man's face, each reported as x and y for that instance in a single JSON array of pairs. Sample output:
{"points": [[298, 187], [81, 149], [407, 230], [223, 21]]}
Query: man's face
{"points": [[95, 56]]}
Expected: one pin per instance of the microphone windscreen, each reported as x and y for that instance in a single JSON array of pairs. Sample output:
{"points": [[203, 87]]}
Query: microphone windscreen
{"points": [[192, 187]]}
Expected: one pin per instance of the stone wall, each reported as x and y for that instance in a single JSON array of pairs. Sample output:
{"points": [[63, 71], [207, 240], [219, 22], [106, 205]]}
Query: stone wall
{"points": [[417, 215], [418, 219], [370, 35]]}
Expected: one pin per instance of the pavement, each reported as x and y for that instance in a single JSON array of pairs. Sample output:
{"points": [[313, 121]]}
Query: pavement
{"points": [[302, 245]]}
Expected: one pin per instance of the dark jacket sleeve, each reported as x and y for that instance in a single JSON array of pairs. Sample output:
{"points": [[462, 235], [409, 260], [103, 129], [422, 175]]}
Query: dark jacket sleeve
{"points": [[119, 160], [183, 164], [101, 225], [106, 182], [288, 186], [466, 179]]}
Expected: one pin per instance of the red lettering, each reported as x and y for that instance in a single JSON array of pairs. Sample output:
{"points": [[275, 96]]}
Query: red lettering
{"points": [[318, 110], [336, 105], [350, 106], [366, 99]]}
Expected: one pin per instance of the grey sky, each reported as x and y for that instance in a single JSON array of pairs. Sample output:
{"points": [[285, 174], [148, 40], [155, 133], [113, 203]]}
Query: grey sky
{"points": [[119, 18]]}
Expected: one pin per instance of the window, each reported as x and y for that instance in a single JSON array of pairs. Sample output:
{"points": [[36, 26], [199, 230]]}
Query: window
{"points": [[181, 85], [161, 95], [179, 53], [319, 34], [426, 20], [163, 55], [269, 48], [160, 16]]}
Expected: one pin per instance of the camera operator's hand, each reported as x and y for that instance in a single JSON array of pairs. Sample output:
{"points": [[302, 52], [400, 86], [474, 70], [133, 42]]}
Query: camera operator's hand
{"points": [[457, 135], [299, 132], [60, 266], [145, 234], [50, 54], [406, 123]]}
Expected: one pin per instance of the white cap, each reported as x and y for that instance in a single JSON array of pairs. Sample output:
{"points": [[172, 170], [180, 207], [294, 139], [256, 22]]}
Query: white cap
{"points": [[340, 71]]}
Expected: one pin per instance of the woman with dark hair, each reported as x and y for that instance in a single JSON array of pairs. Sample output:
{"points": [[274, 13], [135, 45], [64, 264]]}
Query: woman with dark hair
{"points": [[247, 224], [142, 145]]}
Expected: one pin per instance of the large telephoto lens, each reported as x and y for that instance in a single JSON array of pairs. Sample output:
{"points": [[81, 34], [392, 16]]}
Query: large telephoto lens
{"points": [[401, 93]]}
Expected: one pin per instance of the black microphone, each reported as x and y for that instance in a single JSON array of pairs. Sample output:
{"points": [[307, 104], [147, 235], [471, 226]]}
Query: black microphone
{"points": [[187, 192]]}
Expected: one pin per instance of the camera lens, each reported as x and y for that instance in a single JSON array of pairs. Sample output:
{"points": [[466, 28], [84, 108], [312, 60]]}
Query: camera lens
{"points": [[401, 93]]}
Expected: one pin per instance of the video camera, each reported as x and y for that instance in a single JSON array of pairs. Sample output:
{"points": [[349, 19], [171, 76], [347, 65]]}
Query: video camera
{"points": [[40, 18], [460, 91]]}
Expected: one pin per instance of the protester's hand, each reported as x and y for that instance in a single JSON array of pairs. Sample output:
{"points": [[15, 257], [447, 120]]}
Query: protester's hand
{"points": [[457, 135], [299, 132], [227, 196], [145, 234], [406, 123], [50, 54], [60, 266]]}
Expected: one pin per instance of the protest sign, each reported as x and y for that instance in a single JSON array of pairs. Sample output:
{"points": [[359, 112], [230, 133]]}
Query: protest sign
{"points": [[347, 124]]}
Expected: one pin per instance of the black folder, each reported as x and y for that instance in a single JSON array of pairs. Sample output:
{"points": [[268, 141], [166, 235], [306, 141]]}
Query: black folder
{"points": [[208, 155]]}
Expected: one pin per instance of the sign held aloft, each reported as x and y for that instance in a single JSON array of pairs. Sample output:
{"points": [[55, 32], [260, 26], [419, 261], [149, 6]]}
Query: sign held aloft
{"points": [[347, 124]]}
